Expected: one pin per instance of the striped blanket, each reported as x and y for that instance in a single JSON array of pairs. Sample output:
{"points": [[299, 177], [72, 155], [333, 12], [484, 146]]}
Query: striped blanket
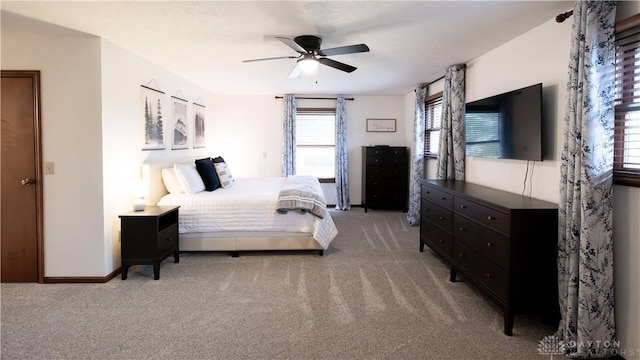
{"points": [[302, 193]]}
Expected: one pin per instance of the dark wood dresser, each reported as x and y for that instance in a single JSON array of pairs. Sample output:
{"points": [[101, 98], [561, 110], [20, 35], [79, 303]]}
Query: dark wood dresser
{"points": [[385, 182], [503, 243]]}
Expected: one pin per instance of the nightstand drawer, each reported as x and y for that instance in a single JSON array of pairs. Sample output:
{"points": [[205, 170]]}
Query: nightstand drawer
{"points": [[168, 238], [482, 214]]}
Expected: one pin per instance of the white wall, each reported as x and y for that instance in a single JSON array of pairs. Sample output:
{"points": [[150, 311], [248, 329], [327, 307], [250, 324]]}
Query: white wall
{"points": [[122, 73], [69, 63], [541, 55], [249, 133]]}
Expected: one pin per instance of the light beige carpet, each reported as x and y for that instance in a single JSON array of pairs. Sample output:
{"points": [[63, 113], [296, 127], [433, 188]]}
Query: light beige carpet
{"points": [[372, 296]]}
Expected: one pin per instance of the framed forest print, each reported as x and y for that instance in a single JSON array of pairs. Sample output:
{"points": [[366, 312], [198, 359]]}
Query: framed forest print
{"points": [[152, 121], [180, 127], [198, 126]]}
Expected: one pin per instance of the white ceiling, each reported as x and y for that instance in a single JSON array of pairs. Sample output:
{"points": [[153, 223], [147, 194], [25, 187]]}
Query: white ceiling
{"points": [[205, 41]]}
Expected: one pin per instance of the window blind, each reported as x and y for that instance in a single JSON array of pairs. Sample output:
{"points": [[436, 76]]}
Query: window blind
{"points": [[626, 160], [315, 142], [432, 121]]}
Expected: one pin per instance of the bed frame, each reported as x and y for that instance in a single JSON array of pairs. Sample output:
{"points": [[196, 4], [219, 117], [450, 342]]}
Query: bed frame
{"points": [[233, 242]]}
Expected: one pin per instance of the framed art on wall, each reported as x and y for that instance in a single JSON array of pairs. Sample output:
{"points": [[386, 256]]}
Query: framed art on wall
{"points": [[198, 126], [152, 122], [381, 125], [180, 127]]}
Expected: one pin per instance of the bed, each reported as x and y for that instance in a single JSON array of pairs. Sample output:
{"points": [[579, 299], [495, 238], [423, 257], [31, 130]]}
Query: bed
{"points": [[242, 217]]}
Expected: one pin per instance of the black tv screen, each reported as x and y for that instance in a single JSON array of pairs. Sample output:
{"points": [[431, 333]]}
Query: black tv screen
{"points": [[506, 126]]}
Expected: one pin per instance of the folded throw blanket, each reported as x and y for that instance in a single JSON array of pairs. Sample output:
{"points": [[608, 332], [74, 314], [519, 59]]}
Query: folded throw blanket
{"points": [[302, 193]]}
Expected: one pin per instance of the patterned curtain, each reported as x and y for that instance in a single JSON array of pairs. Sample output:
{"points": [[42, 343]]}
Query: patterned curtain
{"points": [[289, 136], [342, 165], [452, 143], [585, 246], [417, 157]]}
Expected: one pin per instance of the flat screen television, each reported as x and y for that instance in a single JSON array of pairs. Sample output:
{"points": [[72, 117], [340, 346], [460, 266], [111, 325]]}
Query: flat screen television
{"points": [[506, 126]]}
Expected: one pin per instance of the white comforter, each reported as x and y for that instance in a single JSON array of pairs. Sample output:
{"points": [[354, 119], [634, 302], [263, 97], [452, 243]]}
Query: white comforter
{"points": [[248, 205]]}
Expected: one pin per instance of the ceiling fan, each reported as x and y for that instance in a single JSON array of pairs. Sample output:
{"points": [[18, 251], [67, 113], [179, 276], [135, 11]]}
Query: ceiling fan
{"points": [[310, 54]]}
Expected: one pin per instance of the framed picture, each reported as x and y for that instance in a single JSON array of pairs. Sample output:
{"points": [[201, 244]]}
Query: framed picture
{"points": [[179, 124], [152, 122], [381, 125], [198, 126]]}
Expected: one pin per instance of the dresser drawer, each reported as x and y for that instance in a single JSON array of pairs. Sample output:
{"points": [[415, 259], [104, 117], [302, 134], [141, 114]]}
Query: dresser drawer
{"points": [[439, 197], [435, 237], [482, 214], [437, 215], [376, 197], [386, 172], [386, 184], [493, 277], [386, 151], [167, 238], [485, 241], [385, 160]]}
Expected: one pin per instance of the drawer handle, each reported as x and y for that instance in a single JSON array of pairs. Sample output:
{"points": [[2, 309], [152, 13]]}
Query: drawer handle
{"points": [[489, 275], [428, 192], [441, 218], [489, 244], [490, 217], [440, 240], [443, 198], [169, 239], [463, 206], [462, 229], [461, 255]]}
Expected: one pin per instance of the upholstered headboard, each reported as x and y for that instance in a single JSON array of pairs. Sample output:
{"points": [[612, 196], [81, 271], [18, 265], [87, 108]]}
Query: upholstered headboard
{"points": [[152, 176]]}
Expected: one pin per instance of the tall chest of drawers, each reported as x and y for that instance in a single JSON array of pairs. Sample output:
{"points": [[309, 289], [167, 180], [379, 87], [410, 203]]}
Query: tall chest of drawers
{"points": [[385, 181], [503, 243]]}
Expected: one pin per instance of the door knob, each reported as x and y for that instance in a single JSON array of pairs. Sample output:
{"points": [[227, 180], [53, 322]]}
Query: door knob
{"points": [[27, 181]]}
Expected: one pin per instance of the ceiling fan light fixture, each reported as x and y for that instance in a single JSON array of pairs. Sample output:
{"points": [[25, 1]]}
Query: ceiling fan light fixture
{"points": [[308, 64]]}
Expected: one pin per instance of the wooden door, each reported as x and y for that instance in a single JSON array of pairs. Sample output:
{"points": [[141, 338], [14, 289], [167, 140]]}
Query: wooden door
{"points": [[21, 178]]}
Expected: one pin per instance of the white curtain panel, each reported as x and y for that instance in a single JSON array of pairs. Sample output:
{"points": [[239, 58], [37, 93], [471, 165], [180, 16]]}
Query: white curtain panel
{"points": [[342, 163], [452, 143], [585, 245], [289, 136], [417, 157]]}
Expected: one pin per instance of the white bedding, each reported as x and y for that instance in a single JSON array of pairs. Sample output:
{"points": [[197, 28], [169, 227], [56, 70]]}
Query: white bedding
{"points": [[248, 205]]}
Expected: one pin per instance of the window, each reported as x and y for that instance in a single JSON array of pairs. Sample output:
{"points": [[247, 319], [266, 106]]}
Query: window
{"points": [[315, 143], [432, 121], [626, 162]]}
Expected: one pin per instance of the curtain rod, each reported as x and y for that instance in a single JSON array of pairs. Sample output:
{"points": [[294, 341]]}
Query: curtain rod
{"points": [[315, 98], [429, 83], [564, 16]]}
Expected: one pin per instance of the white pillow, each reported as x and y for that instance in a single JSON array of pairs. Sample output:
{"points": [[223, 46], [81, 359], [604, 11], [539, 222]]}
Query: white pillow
{"points": [[226, 179], [171, 181], [189, 179]]}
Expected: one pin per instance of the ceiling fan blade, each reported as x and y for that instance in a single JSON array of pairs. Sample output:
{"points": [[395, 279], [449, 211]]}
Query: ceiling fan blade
{"points": [[295, 72], [344, 50], [292, 44], [337, 65], [271, 58]]}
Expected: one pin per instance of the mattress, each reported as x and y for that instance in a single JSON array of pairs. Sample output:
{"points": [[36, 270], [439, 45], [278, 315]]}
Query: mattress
{"points": [[249, 205]]}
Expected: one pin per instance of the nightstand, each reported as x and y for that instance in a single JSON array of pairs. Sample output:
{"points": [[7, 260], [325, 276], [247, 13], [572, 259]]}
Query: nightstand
{"points": [[147, 237]]}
